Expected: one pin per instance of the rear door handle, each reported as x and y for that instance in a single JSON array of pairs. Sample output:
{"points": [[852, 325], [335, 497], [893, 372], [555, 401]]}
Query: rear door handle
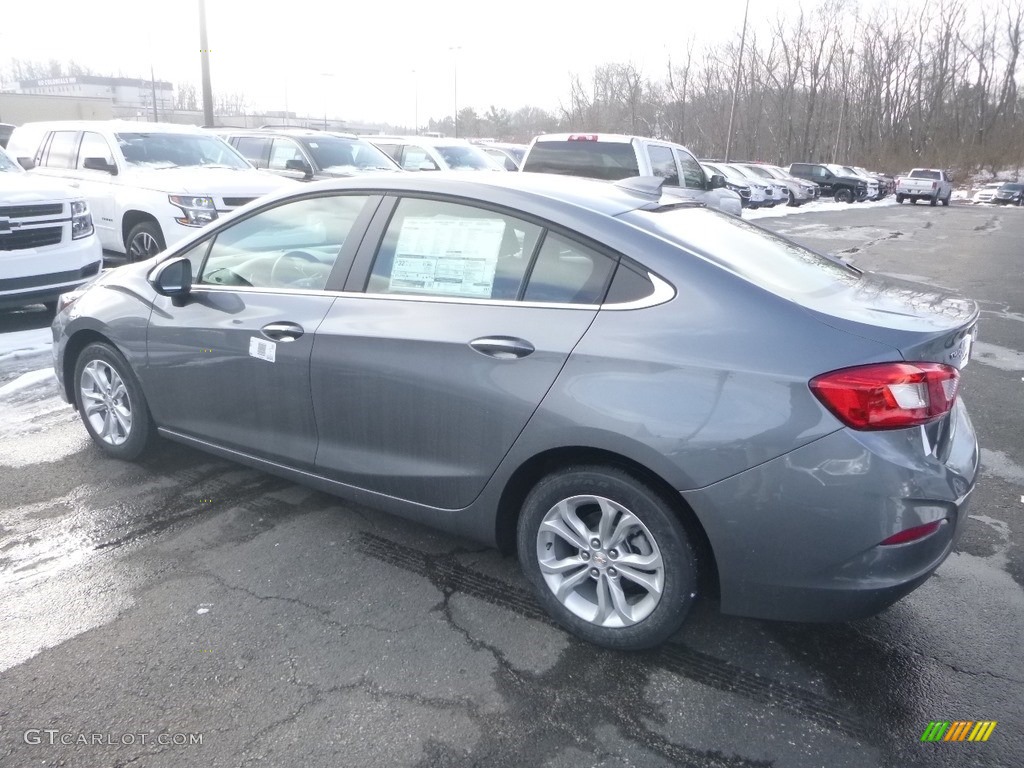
{"points": [[502, 347], [282, 331]]}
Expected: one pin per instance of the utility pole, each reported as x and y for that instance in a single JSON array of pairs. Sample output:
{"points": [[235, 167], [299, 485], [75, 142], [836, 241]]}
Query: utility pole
{"points": [[152, 82], [455, 91], [204, 52], [736, 87]]}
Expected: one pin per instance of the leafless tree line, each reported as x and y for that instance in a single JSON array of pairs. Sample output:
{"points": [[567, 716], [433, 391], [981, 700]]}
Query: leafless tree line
{"points": [[906, 85]]}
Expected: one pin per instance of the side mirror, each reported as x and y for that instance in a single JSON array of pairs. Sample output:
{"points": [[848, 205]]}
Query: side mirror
{"points": [[173, 278], [99, 164], [717, 181], [27, 163], [299, 165]]}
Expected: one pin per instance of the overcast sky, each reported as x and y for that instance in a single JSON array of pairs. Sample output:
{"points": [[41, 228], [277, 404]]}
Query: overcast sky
{"points": [[369, 61]]}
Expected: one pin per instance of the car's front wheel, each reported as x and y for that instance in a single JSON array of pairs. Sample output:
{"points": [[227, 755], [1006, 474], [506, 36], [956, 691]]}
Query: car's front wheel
{"points": [[111, 403], [144, 240], [607, 557], [844, 195]]}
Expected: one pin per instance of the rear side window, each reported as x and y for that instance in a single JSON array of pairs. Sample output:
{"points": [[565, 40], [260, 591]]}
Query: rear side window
{"points": [[592, 159], [567, 272], [254, 149], [436, 248], [61, 152], [663, 164]]}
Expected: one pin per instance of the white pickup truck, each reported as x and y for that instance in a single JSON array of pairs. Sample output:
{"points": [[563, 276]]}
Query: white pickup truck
{"points": [[929, 184]]}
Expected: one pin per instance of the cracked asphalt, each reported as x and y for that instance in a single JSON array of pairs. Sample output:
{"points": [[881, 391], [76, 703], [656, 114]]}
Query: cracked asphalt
{"points": [[190, 597]]}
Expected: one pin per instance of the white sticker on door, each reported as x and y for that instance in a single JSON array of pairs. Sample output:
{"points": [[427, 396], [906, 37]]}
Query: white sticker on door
{"points": [[262, 349]]}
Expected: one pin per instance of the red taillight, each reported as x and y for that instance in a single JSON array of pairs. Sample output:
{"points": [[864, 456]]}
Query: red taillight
{"points": [[913, 534], [888, 395]]}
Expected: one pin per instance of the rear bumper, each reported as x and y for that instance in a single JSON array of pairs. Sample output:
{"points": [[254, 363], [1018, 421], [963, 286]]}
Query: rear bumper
{"points": [[797, 538]]}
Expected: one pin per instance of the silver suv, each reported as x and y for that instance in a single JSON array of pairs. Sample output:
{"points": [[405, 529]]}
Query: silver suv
{"points": [[613, 156]]}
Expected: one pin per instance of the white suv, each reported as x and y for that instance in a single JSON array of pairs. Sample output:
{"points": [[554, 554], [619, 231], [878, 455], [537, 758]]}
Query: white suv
{"points": [[147, 184], [47, 242]]}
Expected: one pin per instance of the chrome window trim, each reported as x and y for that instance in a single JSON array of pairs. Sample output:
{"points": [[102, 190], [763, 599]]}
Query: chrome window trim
{"points": [[662, 293]]}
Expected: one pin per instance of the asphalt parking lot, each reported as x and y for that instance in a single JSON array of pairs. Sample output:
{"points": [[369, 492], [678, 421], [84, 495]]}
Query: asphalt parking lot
{"points": [[188, 611]]}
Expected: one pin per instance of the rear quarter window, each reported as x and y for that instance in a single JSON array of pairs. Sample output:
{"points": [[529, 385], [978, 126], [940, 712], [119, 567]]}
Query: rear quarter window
{"points": [[610, 161]]}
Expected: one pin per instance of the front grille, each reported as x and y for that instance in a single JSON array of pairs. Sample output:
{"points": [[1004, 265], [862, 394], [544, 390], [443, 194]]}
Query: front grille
{"points": [[25, 211], [235, 202], [19, 240]]}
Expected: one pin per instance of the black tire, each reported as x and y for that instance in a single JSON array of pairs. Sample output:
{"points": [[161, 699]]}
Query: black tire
{"points": [[792, 203], [659, 531], [899, 199], [913, 201], [51, 308], [144, 240], [140, 434], [844, 195], [934, 201], [945, 200]]}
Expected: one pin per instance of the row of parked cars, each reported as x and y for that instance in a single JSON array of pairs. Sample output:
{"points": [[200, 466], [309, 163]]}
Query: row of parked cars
{"points": [[1000, 193], [134, 188]]}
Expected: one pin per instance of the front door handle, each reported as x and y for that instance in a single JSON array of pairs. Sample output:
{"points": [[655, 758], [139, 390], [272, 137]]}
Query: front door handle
{"points": [[502, 347], [282, 331]]}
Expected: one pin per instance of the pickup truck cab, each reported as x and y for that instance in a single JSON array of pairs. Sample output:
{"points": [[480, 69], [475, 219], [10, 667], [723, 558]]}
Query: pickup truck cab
{"points": [[147, 184], [47, 242], [613, 156], [834, 180], [929, 184]]}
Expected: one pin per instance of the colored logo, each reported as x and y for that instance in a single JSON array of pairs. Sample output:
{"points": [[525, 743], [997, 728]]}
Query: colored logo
{"points": [[958, 730]]}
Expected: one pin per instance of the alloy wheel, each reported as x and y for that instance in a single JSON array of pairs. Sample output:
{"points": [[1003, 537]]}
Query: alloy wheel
{"points": [[600, 561], [105, 402], [143, 246]]}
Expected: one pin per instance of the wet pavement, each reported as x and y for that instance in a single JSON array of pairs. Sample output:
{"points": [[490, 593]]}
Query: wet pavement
{"points": [[145, 608]]}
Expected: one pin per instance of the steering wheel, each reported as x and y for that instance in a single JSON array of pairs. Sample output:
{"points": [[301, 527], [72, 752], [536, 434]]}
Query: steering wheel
{"points": [[292, 260]]}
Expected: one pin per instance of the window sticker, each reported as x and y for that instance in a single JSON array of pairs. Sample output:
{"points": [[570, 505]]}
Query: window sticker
{"points": [[262, 349], [450, 256]]}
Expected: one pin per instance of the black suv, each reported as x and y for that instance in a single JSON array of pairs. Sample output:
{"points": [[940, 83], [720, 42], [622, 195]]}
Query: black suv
{"points": [[307, 154], [833, 180]]}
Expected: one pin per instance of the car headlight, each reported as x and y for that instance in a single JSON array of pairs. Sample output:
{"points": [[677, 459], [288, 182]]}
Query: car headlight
{"points": [[81, 220], [198, 210]]}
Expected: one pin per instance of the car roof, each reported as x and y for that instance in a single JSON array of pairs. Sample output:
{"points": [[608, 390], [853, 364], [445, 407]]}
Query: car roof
{"points": [[432, 141], [510, 189], [296, 133]]}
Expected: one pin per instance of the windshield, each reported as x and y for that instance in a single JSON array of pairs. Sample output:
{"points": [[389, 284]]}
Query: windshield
{"points": [[6, 164], [174, 150], [759, 256], [460, 158], [762, 172], [1013, 187], [923, 174], [333, 153]]}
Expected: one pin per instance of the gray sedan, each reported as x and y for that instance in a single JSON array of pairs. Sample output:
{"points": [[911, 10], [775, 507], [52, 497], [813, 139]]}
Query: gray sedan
{"points": [[645, 399]]}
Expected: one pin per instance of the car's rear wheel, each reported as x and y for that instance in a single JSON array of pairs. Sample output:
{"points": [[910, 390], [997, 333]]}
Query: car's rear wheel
{"points": [[110, 400], [607, 557], [899, 199], [844, 195], [934, 201], [945, 200], [144, 240]]}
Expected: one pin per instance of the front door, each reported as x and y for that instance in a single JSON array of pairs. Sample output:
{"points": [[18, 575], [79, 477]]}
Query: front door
{"points": [[231, 366]]}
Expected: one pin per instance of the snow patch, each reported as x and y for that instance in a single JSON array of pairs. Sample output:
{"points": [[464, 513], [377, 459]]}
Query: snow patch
{"points": [[27, 380], [818, 206], [18, 344]]}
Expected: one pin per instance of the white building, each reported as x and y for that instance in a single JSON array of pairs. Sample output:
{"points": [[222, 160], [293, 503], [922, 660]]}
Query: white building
{"points": [[127, 92]]}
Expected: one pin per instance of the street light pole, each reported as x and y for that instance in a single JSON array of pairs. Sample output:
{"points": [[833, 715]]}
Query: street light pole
{"points": [[415, 103], [204, 52], [325, 75], [455, 90]]}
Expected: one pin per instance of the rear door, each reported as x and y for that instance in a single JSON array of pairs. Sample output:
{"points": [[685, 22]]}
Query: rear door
{"points": [[456, 322]]}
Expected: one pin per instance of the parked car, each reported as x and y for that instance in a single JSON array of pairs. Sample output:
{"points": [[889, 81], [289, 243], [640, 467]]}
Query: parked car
{"points": [[753, 194], [147, 184], [613, 156], [1010, 193], [639, 395], [797, 191], [509, 155], [875, 190], [886, 183], [987, 193], [305, 155], [776, 193], [834, 181], [427, 153], [929, 184], [48, 244]]}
